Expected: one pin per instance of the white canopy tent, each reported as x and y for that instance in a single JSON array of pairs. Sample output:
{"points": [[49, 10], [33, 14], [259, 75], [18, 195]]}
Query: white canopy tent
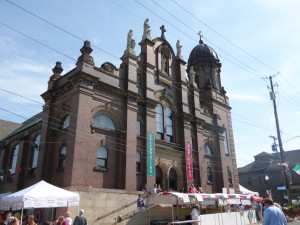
{"points": [[244, 190], [40, 195]]}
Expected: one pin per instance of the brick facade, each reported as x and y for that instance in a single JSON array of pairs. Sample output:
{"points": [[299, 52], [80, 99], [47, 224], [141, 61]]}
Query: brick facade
{"points": [[200, 113]]}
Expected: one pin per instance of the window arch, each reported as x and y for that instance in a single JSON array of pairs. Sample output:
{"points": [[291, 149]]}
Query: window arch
{"points": [[162, 121], [14, 159], [66, 122], [103, 121], [102, 157], [159, 122], [138, 162], [209, 174], [207, 150], [138, 128], [229, 176], [35, 152], [62, 157]]}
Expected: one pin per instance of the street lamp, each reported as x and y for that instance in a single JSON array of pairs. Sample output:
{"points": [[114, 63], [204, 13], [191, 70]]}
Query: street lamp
{"points": [[268, 183]]}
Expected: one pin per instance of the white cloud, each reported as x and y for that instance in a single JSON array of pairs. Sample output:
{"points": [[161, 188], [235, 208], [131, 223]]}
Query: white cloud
{"points": [[246, 97], [298, 113]]}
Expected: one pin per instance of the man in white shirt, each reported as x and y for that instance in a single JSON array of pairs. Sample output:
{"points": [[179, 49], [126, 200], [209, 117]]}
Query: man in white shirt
{"points": [[154, 189]]}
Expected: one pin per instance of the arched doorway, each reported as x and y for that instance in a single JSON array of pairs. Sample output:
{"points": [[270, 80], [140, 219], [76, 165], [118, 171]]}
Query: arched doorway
{"points": [[158, 176], [173, 179]]}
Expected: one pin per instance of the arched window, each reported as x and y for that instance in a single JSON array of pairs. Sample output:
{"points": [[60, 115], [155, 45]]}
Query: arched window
{"points": [[209, 174], [225, 143], [207, 150], [103, 121], [66, 122], [35, 152], [173, 179], [13, 159], [159, 122], [62, 157], [163, 132], [229, 176], [138, 162], [158, 175], [102, 157], [169, 124], [138, 128]]}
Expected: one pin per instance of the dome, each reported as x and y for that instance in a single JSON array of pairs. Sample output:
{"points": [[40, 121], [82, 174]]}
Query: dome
{"points": [[203, 55]]}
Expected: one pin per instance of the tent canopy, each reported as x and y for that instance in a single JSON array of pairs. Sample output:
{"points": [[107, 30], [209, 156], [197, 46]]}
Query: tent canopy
{"points": [[40, 195], [246, 191]]}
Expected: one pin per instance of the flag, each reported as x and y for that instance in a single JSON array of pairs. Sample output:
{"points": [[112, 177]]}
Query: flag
{"points": [[297, 168], [1, 178], [283, 164]]}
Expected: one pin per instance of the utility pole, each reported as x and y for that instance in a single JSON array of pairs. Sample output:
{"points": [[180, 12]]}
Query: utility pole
{"points": [[273, 98]]}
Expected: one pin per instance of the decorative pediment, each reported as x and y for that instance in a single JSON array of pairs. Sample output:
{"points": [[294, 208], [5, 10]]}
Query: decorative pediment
{"points": [[109, 67]]}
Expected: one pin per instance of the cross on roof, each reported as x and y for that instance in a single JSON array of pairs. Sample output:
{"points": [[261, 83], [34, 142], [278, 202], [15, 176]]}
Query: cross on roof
{"points": [[163, 30], [201, 37]]}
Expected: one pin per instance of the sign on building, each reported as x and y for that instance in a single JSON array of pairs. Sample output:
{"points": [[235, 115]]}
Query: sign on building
{"points": [[150, 154]]}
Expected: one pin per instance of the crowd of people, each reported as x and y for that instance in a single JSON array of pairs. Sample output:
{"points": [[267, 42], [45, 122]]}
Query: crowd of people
{"points": [[14, 219]]}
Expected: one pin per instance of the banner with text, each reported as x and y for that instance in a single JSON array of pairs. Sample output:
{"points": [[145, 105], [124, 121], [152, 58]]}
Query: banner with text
{"points": [[189, 161], [150, 153]]}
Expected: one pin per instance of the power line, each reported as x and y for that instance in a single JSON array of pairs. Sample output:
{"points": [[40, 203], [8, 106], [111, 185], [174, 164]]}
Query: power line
{"points": [[255, 58]]}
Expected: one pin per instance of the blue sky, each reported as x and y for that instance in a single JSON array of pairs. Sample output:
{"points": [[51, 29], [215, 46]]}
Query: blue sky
{"points": [[266, 29]]}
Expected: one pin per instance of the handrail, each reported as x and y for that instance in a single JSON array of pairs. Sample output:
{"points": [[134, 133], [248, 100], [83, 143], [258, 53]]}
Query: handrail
{"points": [[116, 210]]}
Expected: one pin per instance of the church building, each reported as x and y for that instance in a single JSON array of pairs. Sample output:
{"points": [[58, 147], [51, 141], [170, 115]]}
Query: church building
{"points": [[154, 119]]}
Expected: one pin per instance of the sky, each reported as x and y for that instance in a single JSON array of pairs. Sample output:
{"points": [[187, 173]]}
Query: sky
{"points": [[254, 39]]}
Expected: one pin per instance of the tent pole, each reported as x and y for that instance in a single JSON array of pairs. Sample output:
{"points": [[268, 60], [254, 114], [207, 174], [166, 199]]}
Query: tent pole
{"points": [[22, 215]]}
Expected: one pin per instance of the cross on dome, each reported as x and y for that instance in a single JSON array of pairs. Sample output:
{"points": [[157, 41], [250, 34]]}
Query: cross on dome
{"points": [[201, 37]]}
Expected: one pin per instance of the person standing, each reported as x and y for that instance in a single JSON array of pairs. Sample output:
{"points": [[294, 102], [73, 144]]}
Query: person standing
{"points": [[195, 214], [154, 189], [80, 219], [140, 203], [68, 219], [272, 214], [259, 211]]}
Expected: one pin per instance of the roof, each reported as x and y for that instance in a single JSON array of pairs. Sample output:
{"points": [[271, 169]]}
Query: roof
{"points": [[7, 127], [28, 123], [203, 55], [264, 154], [290, 157]]}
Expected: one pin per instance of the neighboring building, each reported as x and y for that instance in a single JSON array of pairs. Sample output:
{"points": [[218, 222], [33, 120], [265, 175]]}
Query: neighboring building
{"points": [[94, 124], [7, 127], [252, 176]]}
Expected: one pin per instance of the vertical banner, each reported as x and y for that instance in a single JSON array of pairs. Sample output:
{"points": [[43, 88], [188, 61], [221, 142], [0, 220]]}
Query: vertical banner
{"points": [[150, 154], [189, 161]]}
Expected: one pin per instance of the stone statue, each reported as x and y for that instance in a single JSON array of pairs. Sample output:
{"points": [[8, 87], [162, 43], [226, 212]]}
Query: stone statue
{"points": [[192, 75], [178, 46], [130, 43], [163, 63], [147, 30]]}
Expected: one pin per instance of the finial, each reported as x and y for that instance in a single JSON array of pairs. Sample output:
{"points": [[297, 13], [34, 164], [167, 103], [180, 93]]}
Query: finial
{"points": [[57, 69], [86, 50], [201, 37], [163, 30]]}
